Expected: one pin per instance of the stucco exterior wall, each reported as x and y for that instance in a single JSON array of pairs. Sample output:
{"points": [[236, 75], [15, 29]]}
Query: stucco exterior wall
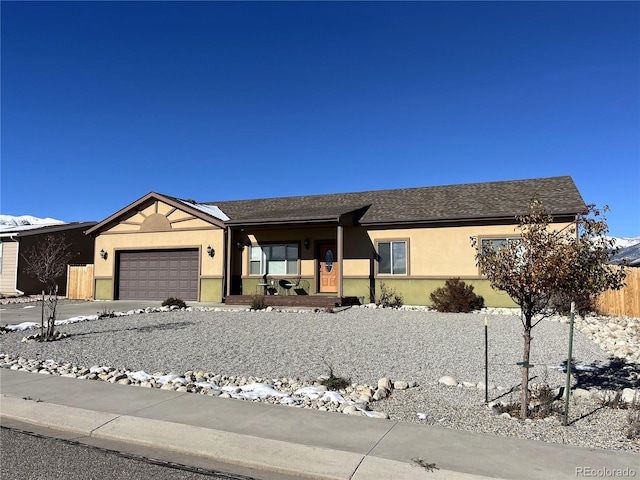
{"points": [[432, 252]]}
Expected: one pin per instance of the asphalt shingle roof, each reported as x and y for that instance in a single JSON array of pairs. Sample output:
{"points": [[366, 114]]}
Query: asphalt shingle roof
{"points": [[505, 199]]}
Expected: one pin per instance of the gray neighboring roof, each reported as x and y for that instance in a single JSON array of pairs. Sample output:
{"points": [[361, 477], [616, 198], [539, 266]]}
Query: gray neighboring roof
{"points": [[45, 229], [631, 254], [449, 203]]}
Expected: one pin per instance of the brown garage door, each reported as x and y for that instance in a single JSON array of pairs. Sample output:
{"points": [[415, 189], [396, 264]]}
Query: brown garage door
{"points": [[158, 275]]}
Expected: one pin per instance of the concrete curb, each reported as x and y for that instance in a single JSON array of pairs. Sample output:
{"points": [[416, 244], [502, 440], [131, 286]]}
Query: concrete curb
{"points": [[232, 448], [227, 448], [58, 417]]}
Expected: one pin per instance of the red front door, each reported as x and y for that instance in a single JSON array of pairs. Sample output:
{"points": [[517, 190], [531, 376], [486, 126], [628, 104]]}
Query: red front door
{"points": [[328, 268]]}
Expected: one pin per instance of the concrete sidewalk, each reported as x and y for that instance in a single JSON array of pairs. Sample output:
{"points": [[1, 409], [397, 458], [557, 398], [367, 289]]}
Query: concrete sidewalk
{"points": [[276, 442]]}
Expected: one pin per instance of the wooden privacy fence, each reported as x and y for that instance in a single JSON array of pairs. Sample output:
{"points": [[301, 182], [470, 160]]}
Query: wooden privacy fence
{"points": [[80, 282], [625, 301]]}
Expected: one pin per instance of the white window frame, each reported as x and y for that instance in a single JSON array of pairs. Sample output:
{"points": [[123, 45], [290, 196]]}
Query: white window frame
{"points": [[258, 254], [392, 268]]}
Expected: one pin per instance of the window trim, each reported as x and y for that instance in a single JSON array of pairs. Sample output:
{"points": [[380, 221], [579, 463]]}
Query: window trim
{"points": [[391, 241], [263, 259]]}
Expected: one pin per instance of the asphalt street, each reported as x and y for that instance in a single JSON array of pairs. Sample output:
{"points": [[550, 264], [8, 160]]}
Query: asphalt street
{"points": [[26, 456]]}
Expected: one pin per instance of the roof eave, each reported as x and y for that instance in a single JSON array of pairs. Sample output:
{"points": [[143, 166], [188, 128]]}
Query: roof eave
{"points": [[282, 221], [451, 220]]}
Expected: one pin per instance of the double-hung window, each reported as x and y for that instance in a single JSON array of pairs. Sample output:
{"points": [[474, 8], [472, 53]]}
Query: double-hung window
{"points": [[274, 259], [392, 257]]}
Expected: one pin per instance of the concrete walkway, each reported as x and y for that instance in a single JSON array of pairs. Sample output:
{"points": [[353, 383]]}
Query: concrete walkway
{"points": [[277, 442]]}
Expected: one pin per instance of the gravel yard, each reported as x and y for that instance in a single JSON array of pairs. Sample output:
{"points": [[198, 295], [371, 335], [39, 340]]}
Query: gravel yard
{"points": [[363, 345]]}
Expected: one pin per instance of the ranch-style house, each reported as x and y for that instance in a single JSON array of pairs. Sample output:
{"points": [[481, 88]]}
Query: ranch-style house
{"points": [[316, 250]]}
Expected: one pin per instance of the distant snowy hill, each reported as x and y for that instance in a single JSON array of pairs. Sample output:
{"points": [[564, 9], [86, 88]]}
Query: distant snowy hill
{"points": [[24, 222], [629, 250]]}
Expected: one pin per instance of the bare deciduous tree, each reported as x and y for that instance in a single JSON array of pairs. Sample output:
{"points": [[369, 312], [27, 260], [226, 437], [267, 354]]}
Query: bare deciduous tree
{"points": [[545, 262], [47, 261]]}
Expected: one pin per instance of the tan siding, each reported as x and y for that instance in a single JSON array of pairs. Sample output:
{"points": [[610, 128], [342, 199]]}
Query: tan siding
{"points": [[9, 268]]}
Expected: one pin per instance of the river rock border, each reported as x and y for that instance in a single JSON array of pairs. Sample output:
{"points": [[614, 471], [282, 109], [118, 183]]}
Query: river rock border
{"points": [[355, 399]]}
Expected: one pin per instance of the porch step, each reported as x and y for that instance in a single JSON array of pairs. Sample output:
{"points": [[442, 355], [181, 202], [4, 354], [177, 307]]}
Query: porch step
{"points": [[317, 301]]}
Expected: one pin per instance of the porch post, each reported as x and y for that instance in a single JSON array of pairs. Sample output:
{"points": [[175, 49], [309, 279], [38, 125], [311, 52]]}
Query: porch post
{"points": [[340, 256], [227, 263]]}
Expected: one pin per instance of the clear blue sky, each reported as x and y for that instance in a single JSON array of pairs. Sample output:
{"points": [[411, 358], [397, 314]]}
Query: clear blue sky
{"points": [[103, 102]]}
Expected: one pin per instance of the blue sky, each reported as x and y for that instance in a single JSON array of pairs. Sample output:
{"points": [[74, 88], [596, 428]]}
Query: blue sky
{"points": [[103, 102]]}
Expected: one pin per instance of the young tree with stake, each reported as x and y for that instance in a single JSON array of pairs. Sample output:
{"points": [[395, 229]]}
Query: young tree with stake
{"points": [[47, 261], [544, 262]]}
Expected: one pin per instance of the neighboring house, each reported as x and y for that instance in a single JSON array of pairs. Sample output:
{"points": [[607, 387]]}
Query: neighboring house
{"points": [[629, 253], [334, 248], [15, 241]]}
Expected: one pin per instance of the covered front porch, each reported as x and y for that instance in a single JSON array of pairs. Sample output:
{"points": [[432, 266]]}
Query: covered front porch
{"points": [[291, 260]]}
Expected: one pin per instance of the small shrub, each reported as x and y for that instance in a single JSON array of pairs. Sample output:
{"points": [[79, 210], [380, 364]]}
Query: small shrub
{"points": [[332, 382], [633, 420], [335, 383], [561, 304], [613, 400], [258, 302], [389, 298], [106, 314], [456, 296], [544, 402], [170, 302]]}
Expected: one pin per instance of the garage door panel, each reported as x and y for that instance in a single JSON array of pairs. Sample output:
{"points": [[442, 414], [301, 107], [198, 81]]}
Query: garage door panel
{"points": [[158, 274]]}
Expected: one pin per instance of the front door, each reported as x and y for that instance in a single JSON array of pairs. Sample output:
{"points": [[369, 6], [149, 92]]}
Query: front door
{"points": [[328, 268]]}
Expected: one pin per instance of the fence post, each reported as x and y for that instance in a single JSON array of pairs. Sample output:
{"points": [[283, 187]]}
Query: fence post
{"points": [[567, 387]]}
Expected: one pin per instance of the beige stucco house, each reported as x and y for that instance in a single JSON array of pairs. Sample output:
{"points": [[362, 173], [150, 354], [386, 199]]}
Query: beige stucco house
{"points": [[318, 249]]}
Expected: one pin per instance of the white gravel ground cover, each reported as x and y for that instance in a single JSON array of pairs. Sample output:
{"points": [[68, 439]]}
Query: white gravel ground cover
{"points": [[363, 345]]}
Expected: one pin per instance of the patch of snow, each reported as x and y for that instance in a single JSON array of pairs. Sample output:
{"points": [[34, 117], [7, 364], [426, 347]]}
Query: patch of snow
{"points": [[311, 392], [333, 397], [25, 222], [208, 209], [141, 376], [21, 326]]}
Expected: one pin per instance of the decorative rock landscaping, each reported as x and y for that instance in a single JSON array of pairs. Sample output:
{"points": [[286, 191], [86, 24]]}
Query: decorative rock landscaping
{"points": [[436, 358], [353, 400]]}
